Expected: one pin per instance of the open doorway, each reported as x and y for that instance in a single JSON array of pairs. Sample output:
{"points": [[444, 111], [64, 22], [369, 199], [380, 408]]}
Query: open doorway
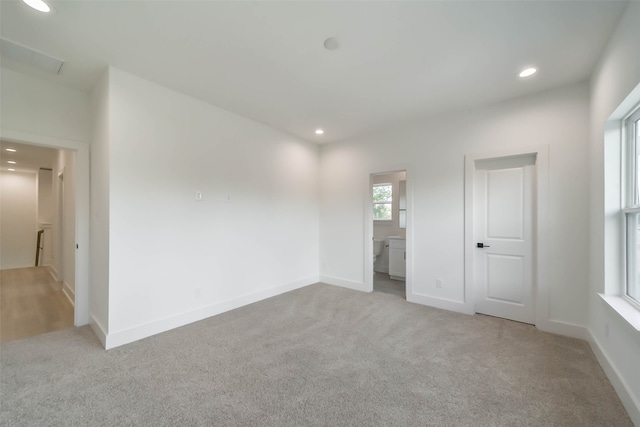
{"points": [[37, 262], [389, 226]]}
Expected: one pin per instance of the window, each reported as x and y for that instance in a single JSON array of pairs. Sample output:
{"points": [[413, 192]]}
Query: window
{"points": [[631, 208], [382, 200]]}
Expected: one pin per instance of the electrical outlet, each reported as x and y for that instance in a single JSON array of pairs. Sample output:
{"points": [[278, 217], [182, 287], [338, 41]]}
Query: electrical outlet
{"points": [[438, 283], [198, 292], [198, 195]]}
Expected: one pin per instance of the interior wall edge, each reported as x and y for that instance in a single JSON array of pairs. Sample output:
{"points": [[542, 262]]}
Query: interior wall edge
{"points": [[69, 293], [54, 273], [30, 138], [629, 401], [126, 336], [441, 303], [566, 329], [343, 283], [98, 330]]}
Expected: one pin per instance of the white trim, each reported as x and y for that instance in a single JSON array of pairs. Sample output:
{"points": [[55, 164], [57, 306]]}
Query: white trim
{"points": [[68, 292], [442, 303], [53, 272], [344, 283], [367, 275], [541, 227], [624, 308], [125, 336], [81, 315], [618, 382], [559, 327], [99, 331]]}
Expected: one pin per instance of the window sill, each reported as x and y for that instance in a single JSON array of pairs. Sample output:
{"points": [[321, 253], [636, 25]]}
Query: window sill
{"points": [[624, 309]]}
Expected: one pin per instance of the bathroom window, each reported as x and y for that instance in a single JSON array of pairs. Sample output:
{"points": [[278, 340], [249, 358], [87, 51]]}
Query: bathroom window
{"points": [[382, 201], [631, 210]]}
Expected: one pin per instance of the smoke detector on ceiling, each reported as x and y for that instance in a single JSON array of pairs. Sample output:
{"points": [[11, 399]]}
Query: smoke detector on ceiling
{"points": [[332, 43]]}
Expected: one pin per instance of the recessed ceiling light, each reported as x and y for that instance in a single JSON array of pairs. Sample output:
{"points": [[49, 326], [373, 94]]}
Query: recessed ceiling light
{"points": [[12, 169], [319, 131], [39, 5], [332, 43], [13, 150], [528, 72], [11, 162]]}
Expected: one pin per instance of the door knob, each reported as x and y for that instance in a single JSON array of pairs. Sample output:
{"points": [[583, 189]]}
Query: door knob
{"points": [[482, 245]]}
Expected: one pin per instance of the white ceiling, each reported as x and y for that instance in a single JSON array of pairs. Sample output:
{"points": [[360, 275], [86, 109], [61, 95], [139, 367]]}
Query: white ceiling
{"points": [[266, 61], [28, 158]]}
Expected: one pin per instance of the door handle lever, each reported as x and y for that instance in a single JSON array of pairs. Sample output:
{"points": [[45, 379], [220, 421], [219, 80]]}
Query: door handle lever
{"points": [[482, 245]]}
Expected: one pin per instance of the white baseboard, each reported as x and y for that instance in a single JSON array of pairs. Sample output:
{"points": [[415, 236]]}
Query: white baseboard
{"points": [[139, 332], [564, 328], [53, 272], [629, 401], [68, 292], [442, 303], [356, 286], [99, 331]]}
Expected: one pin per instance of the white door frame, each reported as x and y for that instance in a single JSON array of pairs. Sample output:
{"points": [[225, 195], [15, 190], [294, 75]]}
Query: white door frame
{"points": [[540, 228], [81, 314], [368, 229]]}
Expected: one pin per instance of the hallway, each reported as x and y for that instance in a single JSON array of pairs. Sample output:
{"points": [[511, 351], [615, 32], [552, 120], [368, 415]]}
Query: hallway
{"points": [[31, 303]]}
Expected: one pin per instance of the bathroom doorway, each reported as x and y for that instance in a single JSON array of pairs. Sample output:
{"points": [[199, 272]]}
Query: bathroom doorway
{"points": [[388, 223]]}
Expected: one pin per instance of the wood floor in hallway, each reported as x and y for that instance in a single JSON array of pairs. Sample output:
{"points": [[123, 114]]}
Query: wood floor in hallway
{"points": [[31, 303]]}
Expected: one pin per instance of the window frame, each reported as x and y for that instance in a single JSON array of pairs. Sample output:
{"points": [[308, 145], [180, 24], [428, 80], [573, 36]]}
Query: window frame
{"points": [[631, 193], [386, 202]]}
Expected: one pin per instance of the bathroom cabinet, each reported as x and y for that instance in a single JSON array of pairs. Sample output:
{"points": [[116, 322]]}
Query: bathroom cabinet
{"points": [[397, 258]]}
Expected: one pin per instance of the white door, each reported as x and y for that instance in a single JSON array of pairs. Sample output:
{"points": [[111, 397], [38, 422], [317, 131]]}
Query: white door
{"points": [[503, 255]]}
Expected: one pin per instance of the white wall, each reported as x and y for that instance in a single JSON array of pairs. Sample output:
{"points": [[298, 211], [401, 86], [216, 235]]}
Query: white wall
{"points": [[58, 249], [64, 193], [100, 192], [38, 107], [173, 259], [69, 220], [617, 74], [45, 215], [18, 219], [432, 151], [45, 196]]}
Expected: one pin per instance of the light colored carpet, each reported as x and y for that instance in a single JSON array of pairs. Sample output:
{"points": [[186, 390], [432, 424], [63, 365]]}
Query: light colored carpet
{"points": [[317, 356]]}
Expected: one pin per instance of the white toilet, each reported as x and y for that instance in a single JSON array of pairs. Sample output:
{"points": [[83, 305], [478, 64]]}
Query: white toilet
{"points": [[378, 246]]}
